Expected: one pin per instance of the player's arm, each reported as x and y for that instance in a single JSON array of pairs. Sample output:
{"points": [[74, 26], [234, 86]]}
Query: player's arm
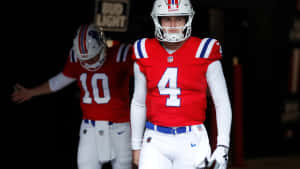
{"points": [[54, 84], [219, 92], [138, 112]]}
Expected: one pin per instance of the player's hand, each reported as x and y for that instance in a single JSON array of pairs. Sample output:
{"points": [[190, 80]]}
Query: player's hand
{"points": [[136, 156], [220, 156], [21, 94]]}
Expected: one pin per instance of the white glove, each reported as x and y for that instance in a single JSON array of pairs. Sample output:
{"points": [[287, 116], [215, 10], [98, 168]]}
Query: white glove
{"points": [[220, 155]]}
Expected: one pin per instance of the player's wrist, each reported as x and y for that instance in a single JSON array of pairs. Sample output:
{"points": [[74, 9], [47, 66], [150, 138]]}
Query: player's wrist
{"points": [[134, 148], [136, 144], [224, 146], [223, 140]]}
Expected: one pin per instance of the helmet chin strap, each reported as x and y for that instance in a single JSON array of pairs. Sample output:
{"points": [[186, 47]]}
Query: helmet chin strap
{"points": [[174, 37]]}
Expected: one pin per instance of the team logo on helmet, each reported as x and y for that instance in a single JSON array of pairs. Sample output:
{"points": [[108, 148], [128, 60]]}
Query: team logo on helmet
{"points": [[95, 35]]}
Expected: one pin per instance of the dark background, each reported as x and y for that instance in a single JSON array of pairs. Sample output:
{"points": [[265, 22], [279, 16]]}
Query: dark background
{"points": [[44, 131]]}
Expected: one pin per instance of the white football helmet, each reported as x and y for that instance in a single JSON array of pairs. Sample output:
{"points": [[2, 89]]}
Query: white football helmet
{"points": [[90, 47], [172, 8]]}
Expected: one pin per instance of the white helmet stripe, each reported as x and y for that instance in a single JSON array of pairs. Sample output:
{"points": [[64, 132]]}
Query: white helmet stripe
{"points": [[205, 48]]}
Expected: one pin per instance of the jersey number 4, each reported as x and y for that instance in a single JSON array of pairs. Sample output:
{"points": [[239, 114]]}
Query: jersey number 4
{"points": [[168, 86], [97, 76]]}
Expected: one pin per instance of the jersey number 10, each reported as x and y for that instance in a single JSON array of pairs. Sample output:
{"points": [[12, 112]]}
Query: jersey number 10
{"points": [[105, 87]]}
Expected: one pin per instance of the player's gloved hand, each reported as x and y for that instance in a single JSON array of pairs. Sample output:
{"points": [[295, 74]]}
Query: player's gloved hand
{"points": [[220, 156]]}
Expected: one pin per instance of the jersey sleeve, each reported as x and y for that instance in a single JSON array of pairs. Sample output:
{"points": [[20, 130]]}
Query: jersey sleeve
{"points": [[71, 65], [138, 108], [139, 52], [123, 54], [210, 49], [130, 61], [218, 89], [216, 53]]}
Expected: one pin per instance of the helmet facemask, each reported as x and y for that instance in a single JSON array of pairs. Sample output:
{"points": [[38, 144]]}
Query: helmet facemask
{"points": [[94, 63]]}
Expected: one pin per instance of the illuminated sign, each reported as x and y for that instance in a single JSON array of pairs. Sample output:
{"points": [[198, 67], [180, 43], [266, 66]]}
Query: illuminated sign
{"points": [[112, 15]]}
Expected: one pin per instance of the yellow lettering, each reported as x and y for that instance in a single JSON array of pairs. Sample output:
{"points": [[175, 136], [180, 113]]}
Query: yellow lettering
{"points": [[114, 9], [111, 21]]}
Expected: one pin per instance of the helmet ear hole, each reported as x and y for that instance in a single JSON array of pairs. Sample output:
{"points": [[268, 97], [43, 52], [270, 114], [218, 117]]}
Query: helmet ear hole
{"points": [[159, 19], [186, 18]]}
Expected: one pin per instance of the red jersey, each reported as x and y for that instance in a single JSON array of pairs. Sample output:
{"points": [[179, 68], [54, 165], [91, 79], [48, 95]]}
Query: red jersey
{"points": [[176, 83], [104, 94]]}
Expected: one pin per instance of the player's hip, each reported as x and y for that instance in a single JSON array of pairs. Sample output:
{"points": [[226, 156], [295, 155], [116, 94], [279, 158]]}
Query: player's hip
{"points": [[189, 145]]}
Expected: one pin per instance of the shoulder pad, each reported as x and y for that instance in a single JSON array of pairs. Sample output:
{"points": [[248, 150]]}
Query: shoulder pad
{"points": [[123, 52], [140, 49], [209, 48]]}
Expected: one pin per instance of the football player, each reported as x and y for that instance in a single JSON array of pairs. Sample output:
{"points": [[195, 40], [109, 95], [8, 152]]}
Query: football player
{"points": [[102, 75], [172, 74]]}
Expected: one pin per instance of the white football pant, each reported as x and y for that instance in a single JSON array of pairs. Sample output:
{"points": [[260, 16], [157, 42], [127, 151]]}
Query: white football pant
{"points": [[101, 142], [175, 151]]}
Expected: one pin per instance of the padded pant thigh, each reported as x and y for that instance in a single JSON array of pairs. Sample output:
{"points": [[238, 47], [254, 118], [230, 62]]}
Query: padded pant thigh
{"points": [[121, 134], [87, 154]]}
